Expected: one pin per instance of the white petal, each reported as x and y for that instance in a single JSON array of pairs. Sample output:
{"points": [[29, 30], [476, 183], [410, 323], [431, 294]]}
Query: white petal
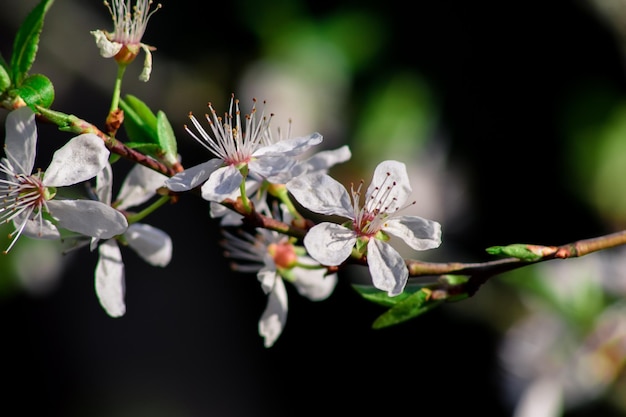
{"points": [[107, 48], [193, 177], [272, 168], [78, 160], [152, 244], [44, 230], [104, 184], [542, 398], [110, 279], [321, 194], [329, 243], [147, 64], [221, 184], [322, 161], [390, 175], [274, 317], [314, 283], [21, 140], [290, 147], [418, 233], [139, 186], [89, 218], [388, 269], [268, 276]]}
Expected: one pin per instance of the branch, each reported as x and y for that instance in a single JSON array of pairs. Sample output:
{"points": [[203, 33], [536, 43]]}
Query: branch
{"points": [[71, 123], [479, 273]]}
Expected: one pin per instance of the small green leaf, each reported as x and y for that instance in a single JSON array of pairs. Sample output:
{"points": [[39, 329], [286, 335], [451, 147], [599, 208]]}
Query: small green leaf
{"points": [[410, 307], [167, 140], [37, 90], [140, 122], [517, 250], [380, 297], [5, 79], [27, 42]]}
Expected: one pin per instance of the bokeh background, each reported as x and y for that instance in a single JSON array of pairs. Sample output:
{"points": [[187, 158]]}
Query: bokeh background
{"points": [[511, 117]]}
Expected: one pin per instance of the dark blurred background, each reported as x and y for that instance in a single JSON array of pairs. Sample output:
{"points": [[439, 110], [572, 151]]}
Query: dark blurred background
{"points": [[479, 98]]}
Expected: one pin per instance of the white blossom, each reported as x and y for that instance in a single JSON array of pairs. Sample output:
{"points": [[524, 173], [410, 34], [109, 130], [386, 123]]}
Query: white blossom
{"points": [[238, 145], [331, 244], [28, 199], [129, 26], [153, 245], [320, 162], [274, 258]]}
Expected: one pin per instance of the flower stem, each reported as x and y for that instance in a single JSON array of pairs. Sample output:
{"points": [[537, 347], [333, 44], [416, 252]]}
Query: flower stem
{"points": [[280, 191], [245, 202], [117, 88], [134, 218]]}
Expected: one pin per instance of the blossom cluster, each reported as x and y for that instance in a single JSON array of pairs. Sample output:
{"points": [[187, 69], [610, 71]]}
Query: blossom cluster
{"points": [[249, 165], [253, 177]]}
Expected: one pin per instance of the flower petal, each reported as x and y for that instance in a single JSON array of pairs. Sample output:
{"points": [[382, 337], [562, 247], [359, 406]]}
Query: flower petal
{"points": [[152, 244], [418, 233], [109, 281], [322, 161], [21, 140], [314, 283], [88, 217], [274, 317], [104, 184], [273, 168], [388, 269], [221, 184], [329, 243], [392, 179], [193, 177], [321, 194], [139, 186], [268, 276], [290, 147], [78, 160], [34, 229], [147, 63], [107, 48]]}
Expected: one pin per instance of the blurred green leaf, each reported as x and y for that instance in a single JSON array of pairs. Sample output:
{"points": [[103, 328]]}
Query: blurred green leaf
{"points": [[5, 78], [377, 296], [27, 42], [411, 307]]}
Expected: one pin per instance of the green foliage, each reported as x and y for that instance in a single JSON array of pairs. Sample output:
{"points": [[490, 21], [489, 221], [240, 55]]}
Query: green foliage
{"points": [[167, 139], [37, 90], [27, 42], [152, 134], [517, 250], [414, 301], [5, 78]]}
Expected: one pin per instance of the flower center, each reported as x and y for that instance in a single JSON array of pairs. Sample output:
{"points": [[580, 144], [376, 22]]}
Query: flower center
{"points": [[283, 254], [234, 138], [130, 22], [381, 204], [22, 198]]}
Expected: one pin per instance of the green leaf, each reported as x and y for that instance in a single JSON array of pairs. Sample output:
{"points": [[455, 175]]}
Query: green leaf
{"points": [[37, 90], [140, 122], [167, 140], [517, 250], [27, 42], [380, 297], [5, 78], [412, 306]]}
